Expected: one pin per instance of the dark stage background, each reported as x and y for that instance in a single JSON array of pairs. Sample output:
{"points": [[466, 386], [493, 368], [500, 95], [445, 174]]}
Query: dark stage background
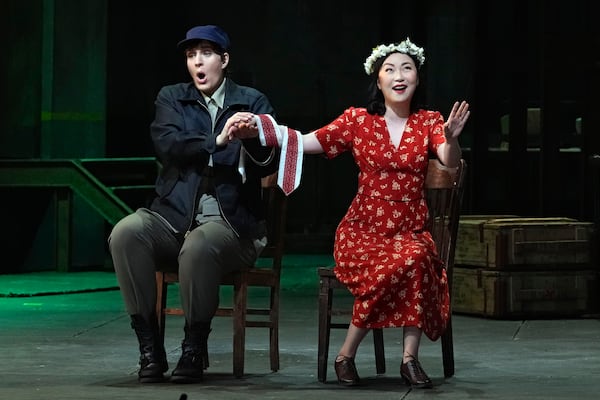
{"points": [[79, 79]]}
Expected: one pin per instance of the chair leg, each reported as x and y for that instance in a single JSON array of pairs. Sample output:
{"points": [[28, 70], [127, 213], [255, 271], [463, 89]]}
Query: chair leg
{"points": [[379, 351], [274, 330], [448, 351], [325, 302], [161, 303], [240, 303]]}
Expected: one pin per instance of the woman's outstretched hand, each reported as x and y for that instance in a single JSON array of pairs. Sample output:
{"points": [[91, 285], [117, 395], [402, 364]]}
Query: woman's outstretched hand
{"points": [[456, 120]]}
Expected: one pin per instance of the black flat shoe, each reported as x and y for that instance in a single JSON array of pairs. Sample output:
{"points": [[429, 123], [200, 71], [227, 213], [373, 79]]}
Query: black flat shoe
{"points": [[414, 375], [346, 372]]}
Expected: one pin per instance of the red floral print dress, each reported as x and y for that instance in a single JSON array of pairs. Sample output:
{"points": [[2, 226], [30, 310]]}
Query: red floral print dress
{"points": [[382, 254]]}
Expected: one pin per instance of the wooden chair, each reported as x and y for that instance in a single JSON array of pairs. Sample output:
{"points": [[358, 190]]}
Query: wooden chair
{"points": [[444, 190], [265, 274]]}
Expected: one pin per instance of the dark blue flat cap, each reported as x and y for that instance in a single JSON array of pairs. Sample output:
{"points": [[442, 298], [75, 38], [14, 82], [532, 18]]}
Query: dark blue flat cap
{"points": [[205, 32]]}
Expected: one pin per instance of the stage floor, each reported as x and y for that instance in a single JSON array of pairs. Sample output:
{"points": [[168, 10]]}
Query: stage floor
{"points": [[79, 345]]}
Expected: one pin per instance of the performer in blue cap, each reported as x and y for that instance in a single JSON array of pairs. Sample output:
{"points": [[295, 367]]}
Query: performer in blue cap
{"points": [[206, 218]]}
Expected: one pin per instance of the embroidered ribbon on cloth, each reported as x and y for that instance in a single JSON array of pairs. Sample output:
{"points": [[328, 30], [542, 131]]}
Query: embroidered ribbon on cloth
{"points": [[290, 142]]}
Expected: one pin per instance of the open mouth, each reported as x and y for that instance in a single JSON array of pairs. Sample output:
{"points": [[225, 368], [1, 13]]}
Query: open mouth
{"points": [[399, 87], [201, 75]]}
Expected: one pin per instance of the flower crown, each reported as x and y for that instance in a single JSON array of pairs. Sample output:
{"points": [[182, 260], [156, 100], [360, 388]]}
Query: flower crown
{"points": [[406, 47]]}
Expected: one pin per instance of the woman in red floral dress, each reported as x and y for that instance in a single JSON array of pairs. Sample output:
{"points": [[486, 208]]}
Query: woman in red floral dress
{"points": [[382, 253], [381, 250]]}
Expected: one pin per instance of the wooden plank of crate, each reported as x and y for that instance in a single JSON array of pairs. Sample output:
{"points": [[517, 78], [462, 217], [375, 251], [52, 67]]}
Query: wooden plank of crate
{"points": [[525, 294], [504, 242]]}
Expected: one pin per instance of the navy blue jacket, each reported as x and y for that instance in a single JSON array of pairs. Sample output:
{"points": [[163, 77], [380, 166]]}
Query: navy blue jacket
{"points": [[183, 139]]}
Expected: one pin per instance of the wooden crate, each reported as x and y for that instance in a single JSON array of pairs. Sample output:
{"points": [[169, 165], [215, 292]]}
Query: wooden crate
{"points": [[508, 242], [524, 294]]}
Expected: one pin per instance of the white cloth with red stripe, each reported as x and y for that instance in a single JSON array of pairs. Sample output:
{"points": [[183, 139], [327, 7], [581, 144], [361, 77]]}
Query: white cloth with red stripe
{"points": [[290, 141]]}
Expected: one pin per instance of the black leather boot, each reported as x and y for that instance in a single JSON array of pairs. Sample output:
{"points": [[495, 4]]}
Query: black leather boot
{"points": [[153, 358], [191, 365]]}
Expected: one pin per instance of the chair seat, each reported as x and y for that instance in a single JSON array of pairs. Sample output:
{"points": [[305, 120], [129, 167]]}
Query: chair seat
{"points": [[326, 272]]}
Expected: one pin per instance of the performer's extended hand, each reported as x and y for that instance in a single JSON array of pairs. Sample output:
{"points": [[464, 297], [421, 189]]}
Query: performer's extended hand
{"points": [[240, 125], [456, 120]]}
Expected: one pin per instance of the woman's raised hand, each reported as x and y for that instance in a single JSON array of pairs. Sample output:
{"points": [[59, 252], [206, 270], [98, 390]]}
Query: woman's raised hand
{"points": [[456, 120]]}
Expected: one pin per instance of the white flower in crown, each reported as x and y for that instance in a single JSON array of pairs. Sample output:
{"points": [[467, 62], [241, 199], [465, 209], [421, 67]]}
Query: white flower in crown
{"points": [[406, 47]]}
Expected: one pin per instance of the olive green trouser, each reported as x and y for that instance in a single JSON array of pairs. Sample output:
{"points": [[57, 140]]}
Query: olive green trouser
{"points": [[142, 242]]}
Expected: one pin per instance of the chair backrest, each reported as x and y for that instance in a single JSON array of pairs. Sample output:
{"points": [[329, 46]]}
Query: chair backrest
{"points": [[275, 210], [444, 189]]}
